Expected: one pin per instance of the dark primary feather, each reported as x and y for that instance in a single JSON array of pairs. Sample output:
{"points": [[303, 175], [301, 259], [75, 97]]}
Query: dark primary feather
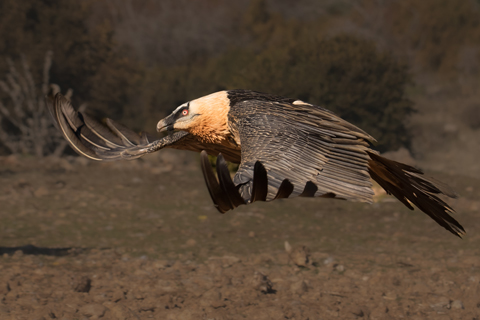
{"points": [[217, 193], [226, 196]]}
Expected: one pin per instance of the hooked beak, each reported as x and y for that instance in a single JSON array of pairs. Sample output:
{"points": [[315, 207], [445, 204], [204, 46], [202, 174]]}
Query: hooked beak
{"points": [[161, 126], [165, 124]]}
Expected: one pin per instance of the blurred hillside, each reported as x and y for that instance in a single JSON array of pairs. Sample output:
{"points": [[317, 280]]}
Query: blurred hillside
{"points": [[405, 71]]}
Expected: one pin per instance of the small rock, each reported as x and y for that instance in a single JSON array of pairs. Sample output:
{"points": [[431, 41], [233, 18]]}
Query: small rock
{"points": [[161, 264], [81, 284], [93, 310], [209, 296], [328, 260], [251, 234], [288, 247], [440, 303], [457, 304], [117, 295], [339, 267], [262, 283], [390, 296], [120, 311], [300, 256]]}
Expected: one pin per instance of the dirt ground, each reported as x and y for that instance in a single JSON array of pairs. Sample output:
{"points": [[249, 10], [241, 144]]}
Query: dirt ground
{"points": [[142, 240]]}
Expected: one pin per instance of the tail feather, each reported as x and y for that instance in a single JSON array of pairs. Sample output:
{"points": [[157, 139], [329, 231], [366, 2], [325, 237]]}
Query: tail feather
{"points": [[410, 186]]}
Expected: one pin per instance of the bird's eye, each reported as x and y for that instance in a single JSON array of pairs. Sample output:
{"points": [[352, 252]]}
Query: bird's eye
{"points": [[185, 112]]}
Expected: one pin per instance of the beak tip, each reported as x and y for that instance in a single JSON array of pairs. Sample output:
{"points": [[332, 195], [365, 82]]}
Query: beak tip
{"points": [[161, 126]]}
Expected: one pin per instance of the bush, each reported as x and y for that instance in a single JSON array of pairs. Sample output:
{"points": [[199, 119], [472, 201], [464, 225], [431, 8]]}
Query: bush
{"points": [[86, 57], [26, 127]]}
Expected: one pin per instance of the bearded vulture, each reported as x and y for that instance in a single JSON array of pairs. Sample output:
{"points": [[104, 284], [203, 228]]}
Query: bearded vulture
{"points": [[284, 148]]}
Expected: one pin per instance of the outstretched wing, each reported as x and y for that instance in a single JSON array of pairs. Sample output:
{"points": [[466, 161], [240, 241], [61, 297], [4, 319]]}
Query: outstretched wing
{"points": [[318, 152], [305, 151], [113, 141]]}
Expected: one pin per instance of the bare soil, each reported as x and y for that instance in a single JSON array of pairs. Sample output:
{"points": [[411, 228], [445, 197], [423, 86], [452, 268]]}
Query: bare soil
{"points": [[142, 240]]}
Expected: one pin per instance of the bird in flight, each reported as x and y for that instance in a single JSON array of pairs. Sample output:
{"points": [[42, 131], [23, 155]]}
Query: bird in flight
{"points": [[284, 148]]}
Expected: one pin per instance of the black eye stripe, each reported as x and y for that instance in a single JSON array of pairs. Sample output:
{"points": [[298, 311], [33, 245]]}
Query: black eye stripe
{"points": [[180, 114]]}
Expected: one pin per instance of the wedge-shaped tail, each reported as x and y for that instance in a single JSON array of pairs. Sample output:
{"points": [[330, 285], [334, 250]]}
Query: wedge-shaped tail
{"points": [[410, 186]]}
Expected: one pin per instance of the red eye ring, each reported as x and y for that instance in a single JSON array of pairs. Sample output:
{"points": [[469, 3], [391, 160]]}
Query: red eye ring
{"points": [[185, 112]]}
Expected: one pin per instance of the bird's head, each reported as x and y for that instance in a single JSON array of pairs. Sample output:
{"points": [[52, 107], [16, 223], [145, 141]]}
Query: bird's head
{"points": [[206, 117], [182, 118]]}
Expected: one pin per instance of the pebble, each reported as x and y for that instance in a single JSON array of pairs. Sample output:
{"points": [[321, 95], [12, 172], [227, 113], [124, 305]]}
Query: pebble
{"points": [[457, 304], [440, 303], [339, 268], [300, 256], [120, 312], [93, 310], [328, 260], [262, 283], [81, 284], [390, 296]]}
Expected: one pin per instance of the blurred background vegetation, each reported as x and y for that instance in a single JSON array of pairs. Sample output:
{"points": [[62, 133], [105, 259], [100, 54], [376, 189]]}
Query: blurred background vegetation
{"points": [[370, 61]]}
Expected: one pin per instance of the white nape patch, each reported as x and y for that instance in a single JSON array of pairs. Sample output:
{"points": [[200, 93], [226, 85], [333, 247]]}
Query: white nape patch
{"points": [[298, 102], [180, 107]]}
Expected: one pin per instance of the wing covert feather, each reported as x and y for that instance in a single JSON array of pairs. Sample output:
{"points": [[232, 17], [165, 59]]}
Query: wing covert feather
{"points": [[319, 153]]}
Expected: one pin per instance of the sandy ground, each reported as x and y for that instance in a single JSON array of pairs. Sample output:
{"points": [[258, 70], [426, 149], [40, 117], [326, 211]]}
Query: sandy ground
{"points": [[141, 240]]}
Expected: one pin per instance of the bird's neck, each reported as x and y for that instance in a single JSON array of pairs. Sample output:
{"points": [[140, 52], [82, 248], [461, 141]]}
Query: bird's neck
{"points": [[212, 125]]}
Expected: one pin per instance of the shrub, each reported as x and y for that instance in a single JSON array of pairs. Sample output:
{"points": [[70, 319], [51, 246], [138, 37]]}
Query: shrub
{"points": [[26, 127], [87, 58]]}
